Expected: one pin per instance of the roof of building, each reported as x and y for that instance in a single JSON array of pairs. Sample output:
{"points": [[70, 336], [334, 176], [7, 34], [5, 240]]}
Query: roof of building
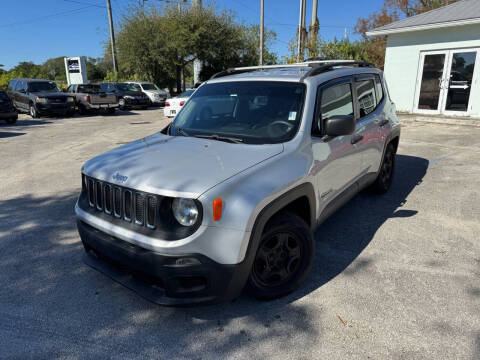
{"points": [[463, 12]]}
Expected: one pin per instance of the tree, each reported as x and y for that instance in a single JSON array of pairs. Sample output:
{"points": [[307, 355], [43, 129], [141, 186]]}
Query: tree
{"points": [[330, 50], [160, 46], [392, 10]]}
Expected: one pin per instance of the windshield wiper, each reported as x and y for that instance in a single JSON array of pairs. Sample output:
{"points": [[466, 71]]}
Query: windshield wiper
{"points": [[220, 138], [179, 129]]}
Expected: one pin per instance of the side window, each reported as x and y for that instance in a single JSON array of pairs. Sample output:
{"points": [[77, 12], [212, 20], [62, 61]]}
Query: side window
{"points": [[336, 100], [20, 85], [70, 89], [11, 84], [366, 96], [378, 85]]}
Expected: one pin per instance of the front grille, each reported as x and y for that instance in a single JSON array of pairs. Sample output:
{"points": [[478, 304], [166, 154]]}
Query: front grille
{"points": [[131, 206]]}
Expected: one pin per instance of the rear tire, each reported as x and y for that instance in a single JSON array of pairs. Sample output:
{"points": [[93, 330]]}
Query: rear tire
{"points": [[385, 175], [283, 259]]}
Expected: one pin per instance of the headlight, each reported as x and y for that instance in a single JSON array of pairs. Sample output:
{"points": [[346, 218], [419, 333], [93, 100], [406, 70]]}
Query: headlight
{"points": [[70, 99], [41, 100], [128, 97], [185, 211]]}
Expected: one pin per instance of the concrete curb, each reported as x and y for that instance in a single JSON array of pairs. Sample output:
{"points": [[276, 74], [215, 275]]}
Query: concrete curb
{"points": [[406, 118]]}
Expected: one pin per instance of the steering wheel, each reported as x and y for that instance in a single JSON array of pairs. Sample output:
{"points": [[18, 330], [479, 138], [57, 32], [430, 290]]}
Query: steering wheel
{"points": [[277, 125]]}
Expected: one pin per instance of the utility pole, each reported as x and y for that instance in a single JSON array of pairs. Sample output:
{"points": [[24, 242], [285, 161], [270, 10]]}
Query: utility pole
{"points": [[197, 64], [261, 32], [302, 32], [112, 36], [314, 26]]}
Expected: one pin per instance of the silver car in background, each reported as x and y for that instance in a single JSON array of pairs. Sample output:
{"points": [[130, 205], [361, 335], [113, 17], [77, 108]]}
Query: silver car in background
{"points": [[154, 93], [226, 197]]}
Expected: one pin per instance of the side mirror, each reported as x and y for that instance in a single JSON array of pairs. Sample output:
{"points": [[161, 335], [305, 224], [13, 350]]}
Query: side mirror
{"points": [[340, 125], [22, 91]]}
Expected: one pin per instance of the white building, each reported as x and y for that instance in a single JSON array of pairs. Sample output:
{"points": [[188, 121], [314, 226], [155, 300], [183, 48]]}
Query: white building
{"points": [[432, 62]]}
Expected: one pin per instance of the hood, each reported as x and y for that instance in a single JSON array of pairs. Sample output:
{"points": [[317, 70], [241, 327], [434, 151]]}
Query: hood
{"points": [[176, 165], [159, 92], [49, 94]]}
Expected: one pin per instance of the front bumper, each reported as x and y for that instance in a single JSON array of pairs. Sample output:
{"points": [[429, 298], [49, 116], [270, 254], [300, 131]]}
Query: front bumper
{"points": [[54, 109], [136, 102], [101, 106], [8, 115], [172, 280]]}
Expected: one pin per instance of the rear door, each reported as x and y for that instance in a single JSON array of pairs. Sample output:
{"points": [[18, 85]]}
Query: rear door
{"points": [[21, 98], [368, 138], [337, 163]]}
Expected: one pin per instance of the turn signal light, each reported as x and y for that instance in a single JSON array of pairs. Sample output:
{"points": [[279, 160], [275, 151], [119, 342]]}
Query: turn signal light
{"points": [[167, 104], [217, 209], [87, 98]]}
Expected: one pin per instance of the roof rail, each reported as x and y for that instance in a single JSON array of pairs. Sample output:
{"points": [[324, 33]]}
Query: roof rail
{"points": [[329, 65], [318, 66]]}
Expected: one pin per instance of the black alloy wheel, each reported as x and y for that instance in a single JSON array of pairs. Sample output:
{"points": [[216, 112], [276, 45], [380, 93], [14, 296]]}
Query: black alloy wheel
{"points": [[284, 257], [385, 175]]}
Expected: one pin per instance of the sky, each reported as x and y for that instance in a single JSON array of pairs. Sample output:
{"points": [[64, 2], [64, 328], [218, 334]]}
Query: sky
{"points": [[33, 30]]}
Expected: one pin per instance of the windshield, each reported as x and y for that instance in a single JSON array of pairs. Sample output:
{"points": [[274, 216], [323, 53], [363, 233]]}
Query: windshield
{"points": [[148, 86], [255, 112], [91, 88], [126, 87], [187, 93], [43, 86]]}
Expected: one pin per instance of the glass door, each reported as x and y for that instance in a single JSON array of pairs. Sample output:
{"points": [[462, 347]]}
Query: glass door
{"points": [[445, 81], [429, 91], [458, 81]]}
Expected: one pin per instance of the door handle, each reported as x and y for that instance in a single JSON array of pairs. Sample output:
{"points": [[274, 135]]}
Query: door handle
{"points": [[383, 122], [356, 138]]}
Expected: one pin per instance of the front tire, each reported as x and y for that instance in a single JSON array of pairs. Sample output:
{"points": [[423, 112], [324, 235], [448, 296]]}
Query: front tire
{"points": [[12, 120], [33, 111], [385, 175], [284, 258]]}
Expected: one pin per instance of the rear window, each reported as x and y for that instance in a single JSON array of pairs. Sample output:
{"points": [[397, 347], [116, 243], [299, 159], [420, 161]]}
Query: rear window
{"points": [[378, 85], [90, 88], [366, 96]]}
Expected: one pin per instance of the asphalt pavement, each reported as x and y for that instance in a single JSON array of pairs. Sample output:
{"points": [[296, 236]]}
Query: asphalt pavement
{"points": [[396, 276]]}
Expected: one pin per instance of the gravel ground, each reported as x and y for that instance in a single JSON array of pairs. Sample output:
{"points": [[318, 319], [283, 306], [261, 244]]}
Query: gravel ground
{"points": [[396, 276]]}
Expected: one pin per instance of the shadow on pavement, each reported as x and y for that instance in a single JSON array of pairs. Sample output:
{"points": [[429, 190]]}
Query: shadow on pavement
{"points": [[50, 300], [21, 122], [10, 134]]}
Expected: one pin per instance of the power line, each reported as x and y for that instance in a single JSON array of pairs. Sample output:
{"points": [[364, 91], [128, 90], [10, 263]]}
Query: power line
{"points": [[84, 3], [47, 16]]}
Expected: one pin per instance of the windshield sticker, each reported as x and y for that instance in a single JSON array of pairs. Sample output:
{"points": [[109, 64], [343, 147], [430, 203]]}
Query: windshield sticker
{"points": [[292, 116]]}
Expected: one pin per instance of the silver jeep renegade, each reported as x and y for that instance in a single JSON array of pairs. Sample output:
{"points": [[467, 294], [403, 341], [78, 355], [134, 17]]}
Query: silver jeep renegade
{"points": [[226, 197]]}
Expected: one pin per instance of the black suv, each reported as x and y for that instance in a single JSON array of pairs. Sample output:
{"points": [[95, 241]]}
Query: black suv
{"points": [[40, 97], [128, 95], [7, 111]]}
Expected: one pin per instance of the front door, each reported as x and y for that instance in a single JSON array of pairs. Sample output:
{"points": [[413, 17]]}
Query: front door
{"points": [[458, 81], [444, 82]]}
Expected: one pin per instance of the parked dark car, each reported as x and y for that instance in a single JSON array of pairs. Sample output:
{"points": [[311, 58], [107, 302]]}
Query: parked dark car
{"points": [[7, 111], [40, 97], [128, 96], [90, 98]]}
